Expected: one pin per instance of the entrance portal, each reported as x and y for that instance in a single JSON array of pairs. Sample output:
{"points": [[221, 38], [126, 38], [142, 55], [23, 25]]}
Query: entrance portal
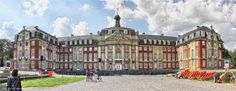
{"points": [[118, 66]]}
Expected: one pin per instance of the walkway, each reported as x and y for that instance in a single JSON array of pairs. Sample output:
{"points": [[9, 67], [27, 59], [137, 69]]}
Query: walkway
{"points": [[141, 83]]}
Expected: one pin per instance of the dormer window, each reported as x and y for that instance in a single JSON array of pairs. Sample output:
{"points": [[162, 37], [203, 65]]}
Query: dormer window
{"points": [[168, 42], [70, 42], [109, 31], [150, 41], [159, 42], [125, 31], [155, 41], [164, 42], [75, 42], [80, 42], [85, 41], [90, 41], [145, 41]]}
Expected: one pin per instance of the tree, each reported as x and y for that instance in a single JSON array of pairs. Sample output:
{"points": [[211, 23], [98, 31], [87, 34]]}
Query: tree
{"points": [[5, 50], [233, 57]]}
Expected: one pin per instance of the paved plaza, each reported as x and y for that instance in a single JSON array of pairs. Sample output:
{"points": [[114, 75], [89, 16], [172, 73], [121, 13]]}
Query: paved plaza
{"points": [[141, 83]]}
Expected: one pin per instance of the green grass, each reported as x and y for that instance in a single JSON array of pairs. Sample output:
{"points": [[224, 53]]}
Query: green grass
{"points": [[50, 82]]}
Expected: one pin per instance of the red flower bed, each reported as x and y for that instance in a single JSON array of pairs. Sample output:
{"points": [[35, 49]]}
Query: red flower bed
{"points": [[197, 74]]}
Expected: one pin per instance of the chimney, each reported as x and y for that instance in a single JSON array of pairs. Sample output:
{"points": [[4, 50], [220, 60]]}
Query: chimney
{"points": [[137, 33], [143, 33], [162, 34], [23, 27], [211, 27], [37, 27], [91, 33]]}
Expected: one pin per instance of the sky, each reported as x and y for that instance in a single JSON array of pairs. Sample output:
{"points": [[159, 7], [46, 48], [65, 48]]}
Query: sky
{"points": [[81, 17]]}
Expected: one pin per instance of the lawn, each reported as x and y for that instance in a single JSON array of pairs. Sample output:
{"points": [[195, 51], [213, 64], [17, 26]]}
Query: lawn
{"points": [[50, 81]]}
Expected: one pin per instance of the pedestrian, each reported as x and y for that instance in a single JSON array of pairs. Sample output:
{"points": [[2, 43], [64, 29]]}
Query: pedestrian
{"points": [[87, 75], [14, 82], [91, 75]]}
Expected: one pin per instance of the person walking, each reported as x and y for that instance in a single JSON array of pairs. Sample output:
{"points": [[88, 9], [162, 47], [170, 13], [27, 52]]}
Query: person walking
{"points": [[14, 81], [87, 75]]}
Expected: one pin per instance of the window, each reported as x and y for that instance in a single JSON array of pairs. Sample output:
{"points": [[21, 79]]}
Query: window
{"points": [[110, 55], [150, 41], [85, 42], [90, 48], [71, 43], [203, 63], [32, 53], [70, 50], [95, 48], [155, 41], [196, 52], [203, 43], [85, 57], [164, 42], [85, 48], [95, 56], [33, 43], [169, 57], [168, 42], [75, 42], [145, 57], [85, 65], [145, 48], [159, 42], [203, 53], [90, 41], [164, 65], [173, 65], [90, 57], [80, 42], [140, 56], [173, 57], [145, 41], [150, 57]]}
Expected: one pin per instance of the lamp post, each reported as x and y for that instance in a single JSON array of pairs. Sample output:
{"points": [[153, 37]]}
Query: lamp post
{"points": [[41, 60]]}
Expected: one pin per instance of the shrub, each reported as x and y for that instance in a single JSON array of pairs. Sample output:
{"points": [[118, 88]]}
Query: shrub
{"points": [[228, 78]]}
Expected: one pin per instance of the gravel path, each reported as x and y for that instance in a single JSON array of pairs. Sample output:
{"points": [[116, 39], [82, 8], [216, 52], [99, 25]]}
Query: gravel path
{"points": [[141, 83]]}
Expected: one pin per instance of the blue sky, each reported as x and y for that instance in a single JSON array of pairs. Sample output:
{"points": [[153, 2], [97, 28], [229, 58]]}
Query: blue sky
{"points": [[95, 16], [78, 17]]}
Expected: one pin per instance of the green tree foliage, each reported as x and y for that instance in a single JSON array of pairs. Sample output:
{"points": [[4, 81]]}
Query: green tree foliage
{"points": [[230, 55], [5, 50]]}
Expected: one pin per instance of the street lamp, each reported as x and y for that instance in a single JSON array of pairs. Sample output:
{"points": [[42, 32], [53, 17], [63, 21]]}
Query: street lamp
{"points": [[41, 60]]}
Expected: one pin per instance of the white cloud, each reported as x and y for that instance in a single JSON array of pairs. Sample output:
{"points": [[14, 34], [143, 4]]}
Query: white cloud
{"points": [[35, 7], [110, 21], [7, 30], [168, 17], [85, 7], [62, 26], [80, 28]]}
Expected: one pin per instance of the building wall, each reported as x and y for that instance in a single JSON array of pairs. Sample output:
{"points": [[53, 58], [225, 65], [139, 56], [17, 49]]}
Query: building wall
{"points": [[128, 54]]}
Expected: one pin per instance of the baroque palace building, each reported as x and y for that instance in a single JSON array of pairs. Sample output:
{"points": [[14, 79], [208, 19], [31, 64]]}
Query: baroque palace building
{"points": [[117, 48]]}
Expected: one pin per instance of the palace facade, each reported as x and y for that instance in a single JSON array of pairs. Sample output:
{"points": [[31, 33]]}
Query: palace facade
{"points": [[117, 48]]}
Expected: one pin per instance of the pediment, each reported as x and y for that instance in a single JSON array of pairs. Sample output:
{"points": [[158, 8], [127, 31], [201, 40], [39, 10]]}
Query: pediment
{"points": [[118, 36]]}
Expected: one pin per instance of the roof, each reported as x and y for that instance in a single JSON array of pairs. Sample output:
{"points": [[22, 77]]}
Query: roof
{"points": [[156, 37]]}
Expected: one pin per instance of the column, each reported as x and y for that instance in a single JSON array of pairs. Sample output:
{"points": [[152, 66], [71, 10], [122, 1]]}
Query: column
{"points": [[99, 56], [137, 57], [106, 52], [130, 57], [122, 56], [113, 57]]}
